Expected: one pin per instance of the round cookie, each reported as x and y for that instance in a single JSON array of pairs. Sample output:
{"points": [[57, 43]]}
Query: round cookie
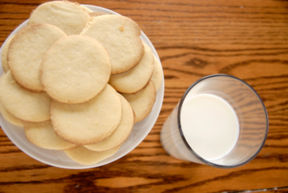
{"points": [[137, 77], [23, 104], [120, 37], [4, 53], [26, 51], [142, 101], [157, 75], [88, 122], [84, 156], [10, 118], [69, 17], [44, 136], [75, 69], [86, 9], [93, 13], [122, 131], [98, 13]]}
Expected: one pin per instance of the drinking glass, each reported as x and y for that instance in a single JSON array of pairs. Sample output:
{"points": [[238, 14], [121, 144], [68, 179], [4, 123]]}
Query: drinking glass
{"points": [[252, 122]]}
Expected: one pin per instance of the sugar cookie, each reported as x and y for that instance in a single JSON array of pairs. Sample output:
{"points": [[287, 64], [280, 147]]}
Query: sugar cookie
{"points": [[93, 13], [75, 69], [88, 122], [84, 156], [10, 118], [120, 37], [68, 16], [22, 103], [86, 9], [121, 133], [157, 75], [137, 77], [142, 101], [97, 13], [43, 135], [4, 53], [26, 51]]}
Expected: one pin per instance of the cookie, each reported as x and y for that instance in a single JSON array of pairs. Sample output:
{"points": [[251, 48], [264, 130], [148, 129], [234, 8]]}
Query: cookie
{"points": [[10, 118], [86, 9], [137, 77], [69, 17], [98, 13], [120, 37], [75, 69], [4, 53], [84, 156], [142, 101], [93, 13], [23, 104], [88, 122], [121, 133], [157, 75], [26, 51], [44, 136]]}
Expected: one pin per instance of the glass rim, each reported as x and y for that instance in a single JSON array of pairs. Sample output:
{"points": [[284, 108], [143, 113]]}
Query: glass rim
{"points": [[186, 142]]}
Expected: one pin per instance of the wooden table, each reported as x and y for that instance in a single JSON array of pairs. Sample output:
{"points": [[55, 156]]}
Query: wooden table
{"points": [[244, 38]]}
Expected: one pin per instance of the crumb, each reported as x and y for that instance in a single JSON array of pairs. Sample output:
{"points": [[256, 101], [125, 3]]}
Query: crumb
{"points": [[121, 28]]}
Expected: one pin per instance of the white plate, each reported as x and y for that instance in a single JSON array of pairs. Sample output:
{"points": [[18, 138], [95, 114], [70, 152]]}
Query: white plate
{"points": [[58, 158]]}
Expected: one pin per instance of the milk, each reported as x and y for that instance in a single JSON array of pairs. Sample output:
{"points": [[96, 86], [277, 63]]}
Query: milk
{"points": [[209, 125]]}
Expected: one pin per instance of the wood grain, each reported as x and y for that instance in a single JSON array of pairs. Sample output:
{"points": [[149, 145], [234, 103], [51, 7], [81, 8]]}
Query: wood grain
{"points": [[247, 39]]}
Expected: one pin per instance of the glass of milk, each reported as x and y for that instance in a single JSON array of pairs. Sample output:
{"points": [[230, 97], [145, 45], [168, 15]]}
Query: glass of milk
{"points": [[220, 121]]}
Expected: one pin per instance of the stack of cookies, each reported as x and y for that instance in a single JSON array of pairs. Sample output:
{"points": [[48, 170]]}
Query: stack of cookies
{"points": [[78, 81]]}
